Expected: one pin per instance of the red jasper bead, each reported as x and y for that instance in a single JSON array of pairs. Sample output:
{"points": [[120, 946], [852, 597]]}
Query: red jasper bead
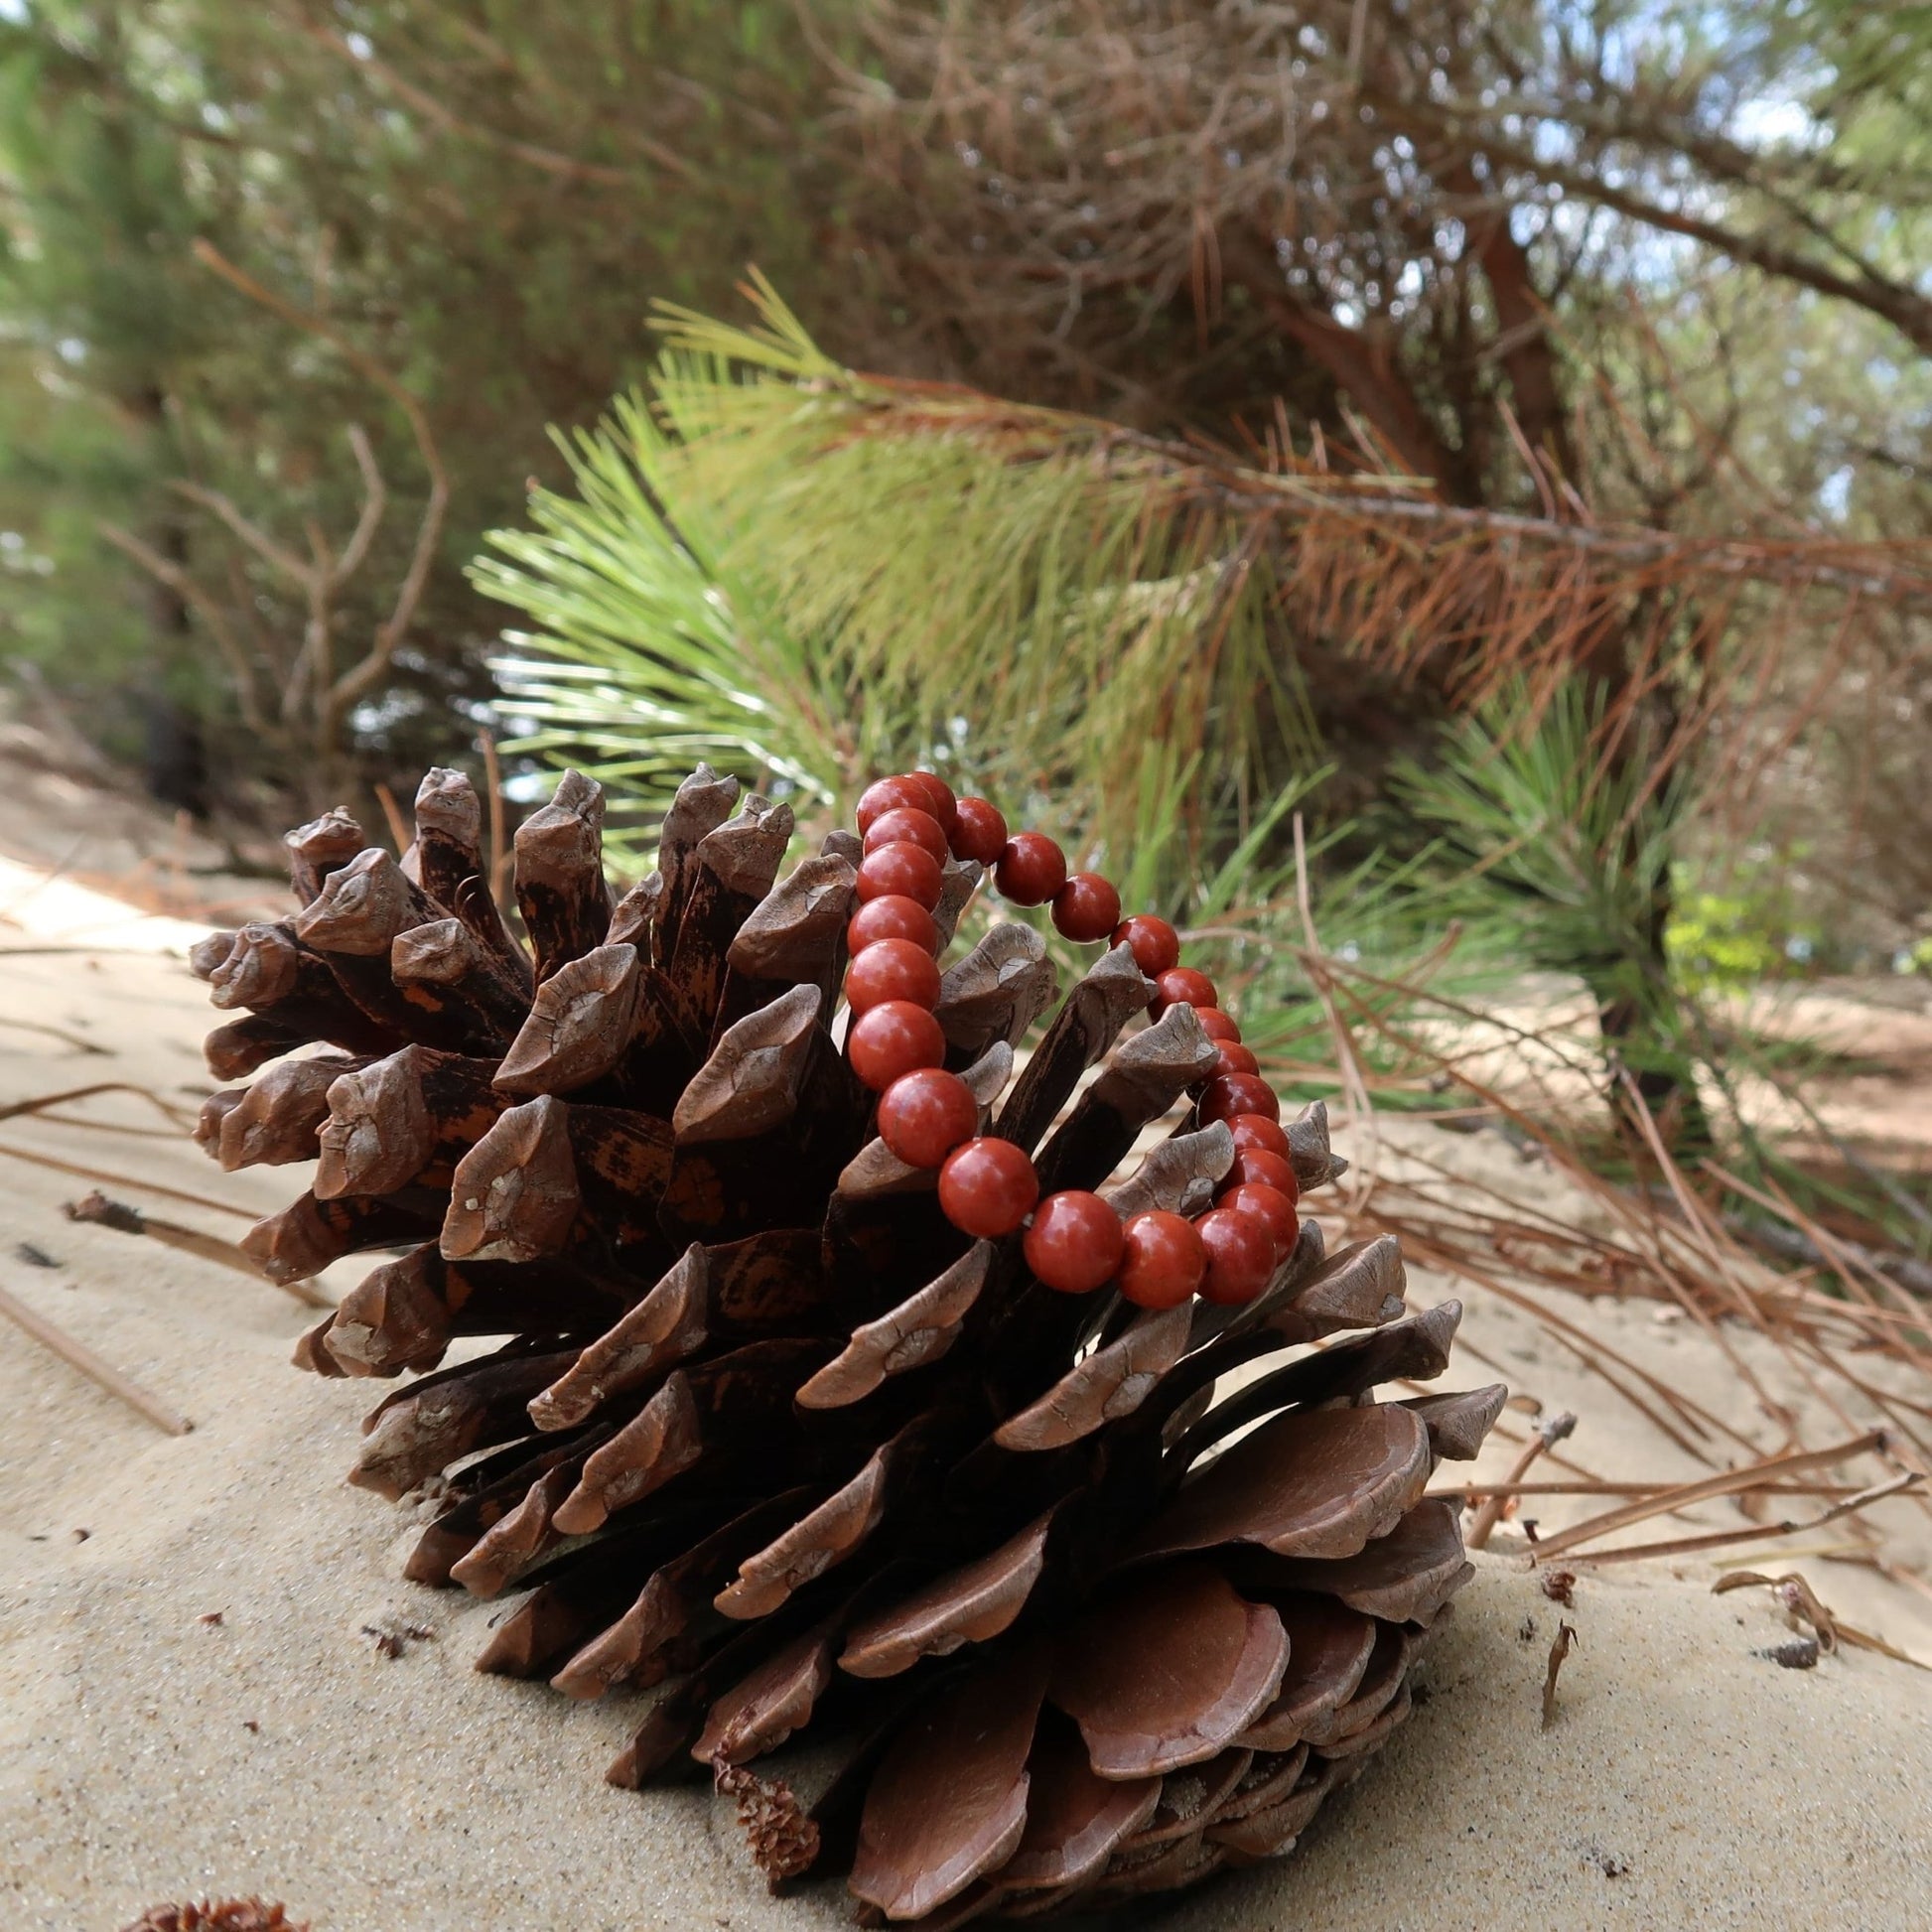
{"points": [[1228, 1095], [1156, 945], [1240, 1257], [1262, 1131], [1086, 908], [1267, 1207], [892, 969], [892, 1039], [1162, 1260], [1217, 1026], [1030, 870], [943, 806], [901, 870], [1075, 1242], [925, 1115], [979, 832], [904, 794], [891, 917], [1182, 986], [1230, 1056], [987, 1187], [1265, 1168], [916, 827]]}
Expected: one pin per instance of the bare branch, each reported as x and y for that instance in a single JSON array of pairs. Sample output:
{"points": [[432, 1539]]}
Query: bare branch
{"points": [[375, 499], [362, 676], [258, 540], [240, 671]]}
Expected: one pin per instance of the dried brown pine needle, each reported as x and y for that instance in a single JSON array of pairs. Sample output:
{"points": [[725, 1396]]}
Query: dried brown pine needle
{"points": [[1566, 1640]]}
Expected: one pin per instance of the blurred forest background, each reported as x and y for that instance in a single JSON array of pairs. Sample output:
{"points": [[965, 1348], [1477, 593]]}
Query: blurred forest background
{"points": [[1492, 434]]}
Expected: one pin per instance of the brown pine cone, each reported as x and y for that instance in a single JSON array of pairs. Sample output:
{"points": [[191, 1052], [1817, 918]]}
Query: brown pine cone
{"points": [[764, 1428]]}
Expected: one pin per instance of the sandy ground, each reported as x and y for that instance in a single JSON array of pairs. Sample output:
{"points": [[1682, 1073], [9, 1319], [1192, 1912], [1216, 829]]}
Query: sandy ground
{"points": [[191, 1699]]}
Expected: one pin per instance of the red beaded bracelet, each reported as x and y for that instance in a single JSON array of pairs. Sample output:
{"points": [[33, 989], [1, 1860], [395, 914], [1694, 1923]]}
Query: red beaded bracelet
{"points": [[928, 1118]]}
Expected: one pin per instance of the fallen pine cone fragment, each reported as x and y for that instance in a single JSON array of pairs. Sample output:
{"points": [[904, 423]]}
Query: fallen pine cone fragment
{"points": [[844, 1384], [218, 1915]]}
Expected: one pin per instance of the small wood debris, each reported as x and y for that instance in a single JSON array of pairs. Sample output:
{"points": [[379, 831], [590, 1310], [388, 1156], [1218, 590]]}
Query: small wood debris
{"points": [[783, 1841], [1565, 1638], [1794, 1653], [35, 1257], [218, 1915], [1559, 1587], [392, 1640], [252, 1725], [211, 1616]]}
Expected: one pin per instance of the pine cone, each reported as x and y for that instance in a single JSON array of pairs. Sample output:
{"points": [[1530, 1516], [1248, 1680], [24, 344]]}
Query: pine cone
{"points": [[769, 1429]]}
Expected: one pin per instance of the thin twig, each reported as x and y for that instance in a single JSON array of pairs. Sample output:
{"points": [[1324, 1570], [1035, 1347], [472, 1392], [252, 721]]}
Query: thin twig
{"points": [[104, 1373]]}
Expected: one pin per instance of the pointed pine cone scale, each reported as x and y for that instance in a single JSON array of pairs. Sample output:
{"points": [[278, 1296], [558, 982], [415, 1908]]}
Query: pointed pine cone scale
{"points": [[272, 1122], [994, 994], [919, 1330], [432, 1424], [560, 889], [758, 1713], [444, 969], [972, 1604], [1075, 1818], [1414, 1349], [1328, 1650], [677, 1590], [704, 802], [1169, 1671], [1179, 1175], [1100, 1388], [1319, 1482], [1087, 1024], [580, 1025], [1405, 1577], [731, 871], [751, 1081], [1142, 1078], [450, 866], [829, 1534], [1458, 1424], [795, 934], [319, 849], [390, 1119], [308, 1234], [948, 1802], [514, 1196]]}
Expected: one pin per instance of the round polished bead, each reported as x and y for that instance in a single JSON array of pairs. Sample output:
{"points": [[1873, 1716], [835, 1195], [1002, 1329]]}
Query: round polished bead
{"points": [[901, 794], [1230, 1056], [919, 828], [891, 917], [987, 1188], [1156, 945], [1075, 1242], [925, 1115], [943, 806], [892, 1039], [901, 871], [1086, 908], [1265, 1168], [1162, 1260], [1268, 1208], [1262, 1131], [1228, 1095], [892, 969], [979, 831], [1240, 1257], [1217, 1026], [1182, 986], [1032, 869]]}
